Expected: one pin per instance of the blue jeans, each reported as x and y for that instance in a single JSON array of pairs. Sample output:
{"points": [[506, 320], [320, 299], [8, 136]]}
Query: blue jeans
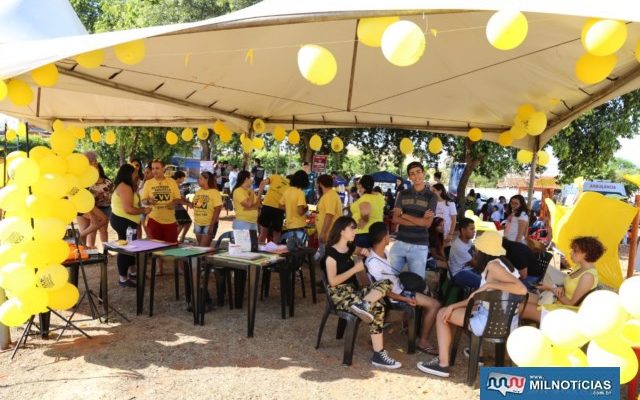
{"points": [[467, 278], [244, 225], [413, 255]]}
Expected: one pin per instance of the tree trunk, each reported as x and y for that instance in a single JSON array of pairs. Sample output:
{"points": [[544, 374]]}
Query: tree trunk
{"points": [[132, 151], [305, 152], [471, 164], [207, 147]]}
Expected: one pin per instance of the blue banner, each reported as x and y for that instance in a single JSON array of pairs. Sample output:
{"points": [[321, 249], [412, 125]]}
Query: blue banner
{"points": [[525, 383]]}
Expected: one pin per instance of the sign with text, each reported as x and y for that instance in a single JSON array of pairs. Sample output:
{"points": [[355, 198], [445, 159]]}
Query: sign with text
{"points": [[604, 187], [320, 163]]}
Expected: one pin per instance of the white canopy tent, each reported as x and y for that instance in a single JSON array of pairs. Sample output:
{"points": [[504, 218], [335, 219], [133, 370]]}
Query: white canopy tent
{"points": [[195, 73]]}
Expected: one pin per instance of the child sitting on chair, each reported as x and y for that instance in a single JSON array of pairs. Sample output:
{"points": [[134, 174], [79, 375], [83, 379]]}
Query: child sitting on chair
{"points": [[379, 268]]}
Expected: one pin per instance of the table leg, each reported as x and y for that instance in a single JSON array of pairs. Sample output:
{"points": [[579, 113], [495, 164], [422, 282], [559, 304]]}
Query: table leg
{"points": [[253, 285], [291, 287], [152, 284], [195, 289], [284, 289], [312, 279], [104, 293]]}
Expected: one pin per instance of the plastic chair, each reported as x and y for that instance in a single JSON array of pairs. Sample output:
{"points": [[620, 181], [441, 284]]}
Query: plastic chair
{"points": [[223, 275], [347, 323], [502, 308]]}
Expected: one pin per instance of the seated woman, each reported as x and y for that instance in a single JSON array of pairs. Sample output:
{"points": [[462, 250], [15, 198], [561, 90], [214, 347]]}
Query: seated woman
{"points": [[436, 243], [343, 289], [497, 274], [585, 251]]}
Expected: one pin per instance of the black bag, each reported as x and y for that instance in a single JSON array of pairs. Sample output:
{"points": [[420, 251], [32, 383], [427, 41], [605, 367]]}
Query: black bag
{"points": [[412, 282], [293, 243]]}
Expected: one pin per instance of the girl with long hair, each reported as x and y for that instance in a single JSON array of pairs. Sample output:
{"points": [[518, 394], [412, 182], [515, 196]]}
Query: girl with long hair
{"points": [[436, 242], [446, 210], [245, 203], [517, 215], [207, 204]]}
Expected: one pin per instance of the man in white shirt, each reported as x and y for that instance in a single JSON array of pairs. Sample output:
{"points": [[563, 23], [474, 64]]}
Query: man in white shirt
{"points": [[461, 261]]}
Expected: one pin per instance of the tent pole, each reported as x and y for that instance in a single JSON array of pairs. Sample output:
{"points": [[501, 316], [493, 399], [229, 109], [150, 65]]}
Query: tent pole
{"points": [[532, 174], [5, 333], [633, 246]]}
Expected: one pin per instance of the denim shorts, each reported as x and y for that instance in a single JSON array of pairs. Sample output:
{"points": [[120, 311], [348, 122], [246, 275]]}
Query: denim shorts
{"points": [[478, 321], [244, 225], [200, 229]]}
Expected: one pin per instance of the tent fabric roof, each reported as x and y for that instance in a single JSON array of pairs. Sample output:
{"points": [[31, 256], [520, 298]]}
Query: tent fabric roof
{"points": [[385, 176], [197, 72]]}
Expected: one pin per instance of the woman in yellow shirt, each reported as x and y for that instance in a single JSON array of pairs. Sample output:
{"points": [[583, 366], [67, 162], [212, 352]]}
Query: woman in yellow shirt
{"points": [[207, 204], [295, 206], [245, 203], [369, 208], [329, 209], [585, 251]]}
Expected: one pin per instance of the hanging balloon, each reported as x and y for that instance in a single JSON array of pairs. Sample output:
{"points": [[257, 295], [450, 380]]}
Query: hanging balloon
{"points": [[435, 145], [317, 64], [3, 90], [247, 145], [202, 132], [294, 137], [19, 92], [258, 126], [337, 145], [24, 171], [258, 143], [505, 139], [22, 129], [63, 143], [95, 136], [315, 143], [524, 111], [45, 76], [131, 52], [279, 133], [39, 152], [603, 37], [406, 146], [592, 69], [77, 131], [519, 129], [58, 125], [524, 156], [537, 123], [370, 30], [110, 137], [218, 127], [475, 134], [507, 29], [11, 135], [543, 158], [226, 137], [403, 43], [91, 59], [187, 134], [637, 53], [171, 137]]}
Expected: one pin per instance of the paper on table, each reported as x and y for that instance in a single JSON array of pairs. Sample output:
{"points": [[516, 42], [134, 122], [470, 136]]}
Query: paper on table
{"points": [[273, 248]]}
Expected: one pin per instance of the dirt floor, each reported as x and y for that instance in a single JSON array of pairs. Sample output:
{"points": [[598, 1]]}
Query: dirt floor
{"points": [[167, 357]]}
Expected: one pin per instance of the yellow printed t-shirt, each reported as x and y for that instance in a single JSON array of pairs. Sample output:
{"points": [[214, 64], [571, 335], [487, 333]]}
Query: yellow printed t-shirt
{"points": [[329, 204], [204, 203], [242, 214], [377, 210], [163, 192], [291, 199], [277, 185]]}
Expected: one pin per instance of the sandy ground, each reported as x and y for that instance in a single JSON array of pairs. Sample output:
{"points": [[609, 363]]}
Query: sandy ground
{"points": [[167, 357]]}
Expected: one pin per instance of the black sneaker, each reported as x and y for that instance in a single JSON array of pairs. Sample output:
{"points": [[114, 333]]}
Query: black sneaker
{"points": [[465, 351], [382, 359], [361, 310], [127, 283], [433, 367]]}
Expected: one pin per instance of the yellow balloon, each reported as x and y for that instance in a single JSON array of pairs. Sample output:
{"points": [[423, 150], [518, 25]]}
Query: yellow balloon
{"points": [[33, 300], [110, 137], [403, 43], [83, 200], [529, 347], [10, 253], [202, 132], [592, 69], [39, 152], [22, 129], [543, 158], [226, 137], [294, 137], [171, 137], [519, 129], [3, 90], [630, 295], [24, 172], [475, 134], [258, 143], [88, 177], [16, 154], [524, 156], [279, 133], [11, 135], [17, 277], [91, 59], [77, 163], [63, 143], [370, 30], [78, 132], [11, 315], [19, 92], [14, 230], [259, 126], [49, 229], [315, 143], [507, 29], [53, 185], [637, 52], [247, 146], [561, 327], [631, 332], [95, 135], [187, 134], [505, 139], [568, 357], [58, 125], [73, 184], [12, 197], [131, 52], [337, 145], [39, 206], [435, 145], [603, 37], [218, 127], [38, 253], [46, 76], [613, 353], [64, 210], [537, 123], [317, 64], [406, 146], [53, 164], [601, 315], [524, 111], [63, 298], [52, 277]]}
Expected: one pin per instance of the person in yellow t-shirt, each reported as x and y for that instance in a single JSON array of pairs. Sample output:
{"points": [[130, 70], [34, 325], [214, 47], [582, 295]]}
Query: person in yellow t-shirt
{"points": [[245, 203], [369, 208], [271, 215], [295, 204], [329, 209], [207, 204]]}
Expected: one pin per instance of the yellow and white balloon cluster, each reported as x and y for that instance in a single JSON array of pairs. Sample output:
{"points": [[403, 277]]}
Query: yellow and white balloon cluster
{"points": [[402, 42], [608, 322], [601, 38], [31, 254]]}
